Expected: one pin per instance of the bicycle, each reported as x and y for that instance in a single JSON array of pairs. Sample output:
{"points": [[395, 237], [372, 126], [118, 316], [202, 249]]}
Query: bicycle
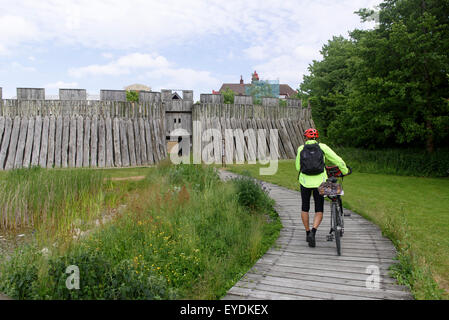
{"points": [[334, 191]]}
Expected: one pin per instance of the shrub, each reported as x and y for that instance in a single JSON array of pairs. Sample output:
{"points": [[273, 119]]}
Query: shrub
{"points": [[408, 162], [251, 194], [198, 176]]}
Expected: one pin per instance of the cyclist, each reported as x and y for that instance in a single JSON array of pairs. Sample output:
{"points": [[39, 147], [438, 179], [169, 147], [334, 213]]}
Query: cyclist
{"points": [[310, 164]]}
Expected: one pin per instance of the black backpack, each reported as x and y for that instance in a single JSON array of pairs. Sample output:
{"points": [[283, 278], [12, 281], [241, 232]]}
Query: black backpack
{"points": [[312, 159]]}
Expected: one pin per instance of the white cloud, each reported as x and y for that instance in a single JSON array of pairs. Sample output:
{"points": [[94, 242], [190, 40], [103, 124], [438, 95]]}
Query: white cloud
{"points": [[15, 30], [139, 23], [121, 66], [61, 84], [21, 68], [280, 38], [107, 55], [154, 69]]}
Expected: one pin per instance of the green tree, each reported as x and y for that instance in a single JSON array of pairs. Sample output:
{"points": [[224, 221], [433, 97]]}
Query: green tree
{"points": [[327, 85], [387, 86], [132, 96], [228, 96]]}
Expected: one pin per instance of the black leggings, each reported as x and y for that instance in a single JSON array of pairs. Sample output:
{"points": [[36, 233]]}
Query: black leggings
{"points": [[305, 198]]}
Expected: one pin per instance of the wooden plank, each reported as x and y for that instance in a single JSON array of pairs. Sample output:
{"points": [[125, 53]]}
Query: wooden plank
{"points": [[116, 135], [79, 141], [239, 142], [131, 144], [44, 143], [271, 288], [161, 141], [94, 141], [29, 144], [218, 143], [124, 143], [285, 140], [109, 143], [36, 141], [262, 146], [143, 145], [13, 143], [291, 268], [151, 154], [65, 141], [276, 153], [101, 143], [282, 151], [51, 142], [155, 139], [251, 135], [292, 135], [72, 142], [2, 125], [137, 147], [21, 143], [86, 144], [360, 291]]}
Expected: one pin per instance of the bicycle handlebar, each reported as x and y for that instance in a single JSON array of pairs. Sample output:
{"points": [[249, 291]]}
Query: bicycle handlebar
{"points": [[334, 171]]}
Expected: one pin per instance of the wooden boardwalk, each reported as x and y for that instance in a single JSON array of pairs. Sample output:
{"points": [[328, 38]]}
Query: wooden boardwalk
{"points": [[293, 270]]}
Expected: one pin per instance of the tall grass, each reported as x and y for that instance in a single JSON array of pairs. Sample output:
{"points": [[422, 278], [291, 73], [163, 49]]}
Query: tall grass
{"points": [[404, 162], [49, 200], [184, 234]]}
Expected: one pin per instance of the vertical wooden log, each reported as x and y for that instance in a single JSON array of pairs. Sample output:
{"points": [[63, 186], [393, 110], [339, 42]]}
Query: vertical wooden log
{"points": [[21, 143], [58, 141], [109, 143], [13, 144], [124, 143], [65, 141], [116, 134], [72, 142], [154, 136], [143, 148], [29, 143], [94, 141], [137, 141], [36, 141], [149, 142], [2, 127], [44, 143], [163, 142], [86, 145], [79, 141], [131, 145], [51, 142], [5, 141], [286, 141], [101, 143]]}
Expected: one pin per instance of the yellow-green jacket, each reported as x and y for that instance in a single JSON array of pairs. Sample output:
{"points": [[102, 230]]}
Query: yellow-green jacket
{"points": [[314, 181]]}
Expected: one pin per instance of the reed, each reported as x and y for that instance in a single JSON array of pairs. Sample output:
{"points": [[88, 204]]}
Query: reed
{"points": [[49, 199]]}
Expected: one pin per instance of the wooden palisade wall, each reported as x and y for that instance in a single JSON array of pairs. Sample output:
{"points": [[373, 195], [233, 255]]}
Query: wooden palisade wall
{"points": [[290, 121], [57, 133]]}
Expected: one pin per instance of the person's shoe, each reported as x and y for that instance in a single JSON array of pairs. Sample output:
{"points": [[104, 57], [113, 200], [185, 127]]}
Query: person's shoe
{"points": [[311, 239]]}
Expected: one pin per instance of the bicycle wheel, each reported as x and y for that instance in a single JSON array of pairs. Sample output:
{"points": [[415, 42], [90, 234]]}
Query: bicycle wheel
{"points": [[342, 217], [337, 227]]}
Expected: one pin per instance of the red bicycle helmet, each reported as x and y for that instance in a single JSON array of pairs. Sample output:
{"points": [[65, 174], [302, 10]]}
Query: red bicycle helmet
{"points": [[311, 133]]}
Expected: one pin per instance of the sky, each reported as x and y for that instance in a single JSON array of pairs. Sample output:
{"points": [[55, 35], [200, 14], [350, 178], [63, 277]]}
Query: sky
{"points": [[168, 44]]}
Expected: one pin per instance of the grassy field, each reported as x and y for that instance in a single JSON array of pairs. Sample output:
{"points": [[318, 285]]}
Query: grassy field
{"points": [[411, 211], [178, 233]]}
